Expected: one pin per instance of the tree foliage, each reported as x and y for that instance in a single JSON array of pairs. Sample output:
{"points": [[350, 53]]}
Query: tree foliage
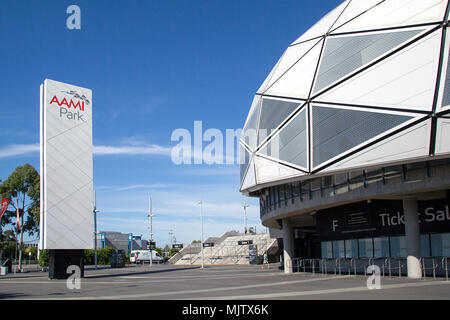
{"points": [[173, 252], [22, 187]]}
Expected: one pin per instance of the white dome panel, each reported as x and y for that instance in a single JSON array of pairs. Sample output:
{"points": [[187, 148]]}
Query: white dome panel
{"points": [[395, 13], [405, 80], [323, 25], [354, 9], [249, 134], [249, 180], [408, 144], [443, 136], [297, 81], [344, 55], [267, 171], [290, 57]]}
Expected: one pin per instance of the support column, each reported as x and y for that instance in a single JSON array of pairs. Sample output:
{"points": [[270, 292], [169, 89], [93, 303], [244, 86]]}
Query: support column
{"points": [[412, 233], [288, 245]]}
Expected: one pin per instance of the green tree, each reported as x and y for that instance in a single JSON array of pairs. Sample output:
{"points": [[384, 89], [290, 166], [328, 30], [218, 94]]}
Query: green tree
{"points": [[31, 250], [44, 258], [173, 252], [22, 188], [159, 250], [89, 256], [9, 235]]}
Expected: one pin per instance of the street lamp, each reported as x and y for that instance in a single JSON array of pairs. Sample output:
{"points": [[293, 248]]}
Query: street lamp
{"points": [[201, 218], [245, 205], [150, 215], [171, 236], [95, 211]]}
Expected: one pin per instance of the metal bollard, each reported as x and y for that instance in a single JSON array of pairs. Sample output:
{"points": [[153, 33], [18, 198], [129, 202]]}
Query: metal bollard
{"points": [[434, 268], [423, 268], [446, 267]]}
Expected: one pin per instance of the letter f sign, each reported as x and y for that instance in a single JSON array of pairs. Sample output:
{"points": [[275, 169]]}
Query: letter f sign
{"points": [[335, 224], [74, 20]]}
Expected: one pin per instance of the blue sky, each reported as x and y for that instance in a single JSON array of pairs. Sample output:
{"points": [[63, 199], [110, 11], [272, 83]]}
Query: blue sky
{"points": [[153, 66]]}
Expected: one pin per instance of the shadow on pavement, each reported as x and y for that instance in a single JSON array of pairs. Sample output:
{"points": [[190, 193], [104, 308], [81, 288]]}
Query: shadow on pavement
{"points": [[12, 295], [121, 274]]}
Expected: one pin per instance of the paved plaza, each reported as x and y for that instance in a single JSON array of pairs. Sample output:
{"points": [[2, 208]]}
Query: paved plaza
{"points": [[169, 282]]}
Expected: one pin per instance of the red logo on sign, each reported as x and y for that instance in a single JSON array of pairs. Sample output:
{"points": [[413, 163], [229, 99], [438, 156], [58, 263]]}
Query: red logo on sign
{"points": [[79, 104]]}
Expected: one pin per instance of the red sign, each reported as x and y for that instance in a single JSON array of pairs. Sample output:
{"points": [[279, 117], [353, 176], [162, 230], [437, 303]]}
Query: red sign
{"points": [[4, 205], [68, 104]]}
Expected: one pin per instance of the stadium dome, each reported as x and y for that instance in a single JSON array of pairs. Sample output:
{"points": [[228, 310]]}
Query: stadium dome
{"points": [[367, 85]]}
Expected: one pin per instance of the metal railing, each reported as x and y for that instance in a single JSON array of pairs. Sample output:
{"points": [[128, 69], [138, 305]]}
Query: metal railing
{"points": [[337, 266], [387, 264], [305, 264], [423, 265], [352, 263], [390, 267], [444, 262]]}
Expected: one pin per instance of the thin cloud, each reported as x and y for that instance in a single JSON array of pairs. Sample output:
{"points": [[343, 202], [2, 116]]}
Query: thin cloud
{"points": [[18, 150], [146, 186], [24, 149], [133, 150]]}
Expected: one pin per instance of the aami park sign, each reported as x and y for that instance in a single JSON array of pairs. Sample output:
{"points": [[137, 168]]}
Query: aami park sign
{"points": [[66, 166]]}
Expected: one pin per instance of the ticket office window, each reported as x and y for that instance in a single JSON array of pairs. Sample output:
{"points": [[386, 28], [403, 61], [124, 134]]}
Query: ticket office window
{"points": [[398, 246], [365, 248], [351, 248], [440, 244], [381, 247], [339, 249], [425, 249], [327, 250]]}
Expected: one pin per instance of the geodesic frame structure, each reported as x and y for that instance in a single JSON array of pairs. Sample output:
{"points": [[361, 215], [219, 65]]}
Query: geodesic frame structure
{"points": [[367, 85]]}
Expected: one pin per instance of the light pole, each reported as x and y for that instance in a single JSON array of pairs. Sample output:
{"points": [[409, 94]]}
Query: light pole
{"points": [[171, 237], [95, 211], [245, 205], [150, 215], [201, 218]]}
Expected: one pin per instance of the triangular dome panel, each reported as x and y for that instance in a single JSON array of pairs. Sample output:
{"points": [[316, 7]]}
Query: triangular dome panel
{"points": [[297, 81], [411, 143], [337, 131], [444, 101], [249, 134], [346, 54], [264, 85], [290, 57], [405, 80], [273, 113], [290, 144], [395, 13], [323, 25], [442, 136], [354, 10], [267, 171], [249, 180], [244, 159]]}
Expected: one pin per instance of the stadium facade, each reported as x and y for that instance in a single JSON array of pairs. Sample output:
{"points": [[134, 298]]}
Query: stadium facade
{"points": [[346, 143]]}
